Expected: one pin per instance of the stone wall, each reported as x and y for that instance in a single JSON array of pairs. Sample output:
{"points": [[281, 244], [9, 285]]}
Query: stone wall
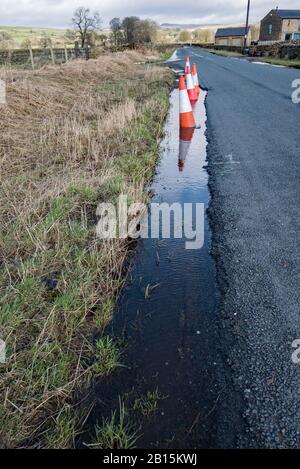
{"points": [[288, 51]]}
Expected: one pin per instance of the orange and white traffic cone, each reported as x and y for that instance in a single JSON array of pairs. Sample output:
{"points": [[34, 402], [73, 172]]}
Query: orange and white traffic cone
{"points": [[195, 79], [185, 108], [185, 140], [187, 64], [191, 87]]}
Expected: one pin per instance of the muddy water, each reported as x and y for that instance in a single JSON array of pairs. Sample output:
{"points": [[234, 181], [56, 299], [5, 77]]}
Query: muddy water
{"points": [[171, 336]]}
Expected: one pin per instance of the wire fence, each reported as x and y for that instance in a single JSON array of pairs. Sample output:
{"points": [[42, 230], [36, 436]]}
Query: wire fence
{"points": [[35, 58]]}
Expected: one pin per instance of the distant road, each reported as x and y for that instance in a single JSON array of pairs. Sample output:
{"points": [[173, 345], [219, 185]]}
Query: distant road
{"points": [[254, 165]]}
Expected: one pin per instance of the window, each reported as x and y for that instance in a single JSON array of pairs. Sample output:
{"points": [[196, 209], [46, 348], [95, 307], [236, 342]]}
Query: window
{"points": [[270, 28], [297, 36]]}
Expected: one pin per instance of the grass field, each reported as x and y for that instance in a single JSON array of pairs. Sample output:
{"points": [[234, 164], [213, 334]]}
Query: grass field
{"points": [[71, 137], [21, 34], [269, 60]]}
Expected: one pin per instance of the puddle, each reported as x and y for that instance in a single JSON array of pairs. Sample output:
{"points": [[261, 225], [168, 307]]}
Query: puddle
{"points": [[170, 334]]}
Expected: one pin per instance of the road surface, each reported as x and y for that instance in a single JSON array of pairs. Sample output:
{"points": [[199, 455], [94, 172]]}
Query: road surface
{"points": [[253, 163]]}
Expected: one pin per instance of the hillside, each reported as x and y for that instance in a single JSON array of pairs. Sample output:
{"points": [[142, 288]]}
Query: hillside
{"points": [[192, 27], [21, 34]]}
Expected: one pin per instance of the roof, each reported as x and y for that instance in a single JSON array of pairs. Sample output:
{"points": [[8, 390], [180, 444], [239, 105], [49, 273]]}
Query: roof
{"points": [[228, 32], [288, 14]]}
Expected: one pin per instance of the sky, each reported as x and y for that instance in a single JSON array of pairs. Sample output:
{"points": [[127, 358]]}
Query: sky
{"points": [[58, 13]]}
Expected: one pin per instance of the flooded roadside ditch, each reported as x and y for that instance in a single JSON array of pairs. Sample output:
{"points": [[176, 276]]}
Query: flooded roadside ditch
{"points": [[170, 382]]}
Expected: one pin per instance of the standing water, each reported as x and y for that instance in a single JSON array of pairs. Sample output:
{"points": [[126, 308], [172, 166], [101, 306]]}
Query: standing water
{"points": [[167, 316]]}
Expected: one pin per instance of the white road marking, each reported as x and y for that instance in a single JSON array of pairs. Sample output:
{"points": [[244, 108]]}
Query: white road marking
{"points": [[271, 65], [174, 57]]}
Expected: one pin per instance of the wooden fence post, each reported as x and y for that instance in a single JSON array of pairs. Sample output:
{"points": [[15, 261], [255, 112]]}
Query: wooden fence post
{"points": [[31, 55], [66, 54], [52, 53]]}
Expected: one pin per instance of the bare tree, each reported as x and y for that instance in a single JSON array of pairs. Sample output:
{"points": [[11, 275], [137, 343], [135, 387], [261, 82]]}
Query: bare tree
{"points": [[203, 36], [84, 23]]}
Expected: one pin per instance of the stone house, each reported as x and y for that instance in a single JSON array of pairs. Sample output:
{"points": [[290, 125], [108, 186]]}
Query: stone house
{"points": [[232, 37], [280, 25]]}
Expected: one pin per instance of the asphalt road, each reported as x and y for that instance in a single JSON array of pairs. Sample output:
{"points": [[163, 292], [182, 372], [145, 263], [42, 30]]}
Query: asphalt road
{"points": [[253, 163]]}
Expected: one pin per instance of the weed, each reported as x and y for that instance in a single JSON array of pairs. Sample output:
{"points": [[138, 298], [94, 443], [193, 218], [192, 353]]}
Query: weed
{"points": [[63, 430], [116, 432], [107, 357], [148, 404]]}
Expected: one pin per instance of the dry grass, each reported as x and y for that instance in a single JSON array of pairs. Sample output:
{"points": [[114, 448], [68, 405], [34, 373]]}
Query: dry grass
{"points": [[71, 137]]}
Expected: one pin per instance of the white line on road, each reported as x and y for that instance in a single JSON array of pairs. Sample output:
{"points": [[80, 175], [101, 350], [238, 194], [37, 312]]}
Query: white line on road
{"points": [[266, 63]]}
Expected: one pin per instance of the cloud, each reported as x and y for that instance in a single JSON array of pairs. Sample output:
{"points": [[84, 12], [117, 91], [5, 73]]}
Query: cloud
{"points": [[58, 13]]}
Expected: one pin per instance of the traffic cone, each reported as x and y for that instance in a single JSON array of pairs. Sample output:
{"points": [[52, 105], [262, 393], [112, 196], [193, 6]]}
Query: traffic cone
{"points": [[185, 140], [187, 63], [185, 108], [195, 79], [191, 87]]}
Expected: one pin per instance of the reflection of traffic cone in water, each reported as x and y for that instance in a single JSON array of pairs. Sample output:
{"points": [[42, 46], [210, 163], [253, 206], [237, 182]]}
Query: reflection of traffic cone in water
{"points": [[195, 79], [187, 64], [185, 137], [185, 109], [191, 87]]}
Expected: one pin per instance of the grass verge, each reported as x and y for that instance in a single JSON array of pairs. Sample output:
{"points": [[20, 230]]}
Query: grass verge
{"points": [[275, 61], [224, 53], [71, 137]]}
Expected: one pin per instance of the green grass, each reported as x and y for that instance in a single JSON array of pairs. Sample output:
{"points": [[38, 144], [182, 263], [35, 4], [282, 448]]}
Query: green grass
{"points": [[64, 430], [276, 61], [116, 432], [269, 60], [58, 281], [168, 54], [22, 34], [106, 357], [224, 53], [148, 404]]}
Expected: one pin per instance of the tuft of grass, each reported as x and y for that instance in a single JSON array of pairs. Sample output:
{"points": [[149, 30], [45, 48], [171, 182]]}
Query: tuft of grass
{"points": [[116, 432], [104, 314], [107, 357], [148, 404], [62, 432]]}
